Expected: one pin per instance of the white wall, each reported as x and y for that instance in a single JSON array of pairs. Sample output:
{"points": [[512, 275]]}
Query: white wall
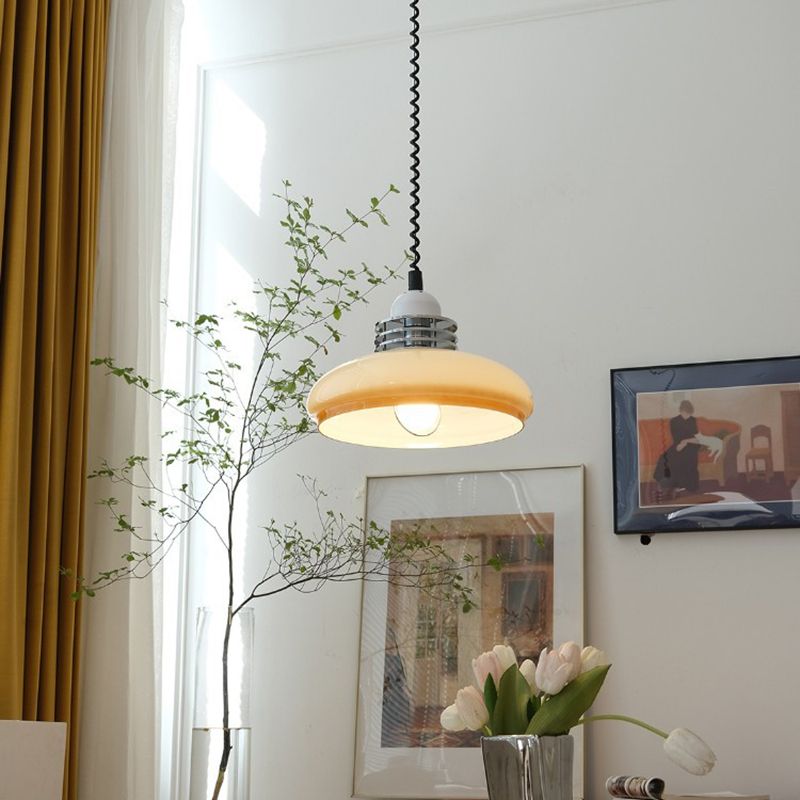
{"points": [[600, 190]]}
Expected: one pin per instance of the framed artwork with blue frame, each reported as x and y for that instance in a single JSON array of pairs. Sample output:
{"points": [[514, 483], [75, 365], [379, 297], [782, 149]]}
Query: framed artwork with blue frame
{"points": [[709, 446]]}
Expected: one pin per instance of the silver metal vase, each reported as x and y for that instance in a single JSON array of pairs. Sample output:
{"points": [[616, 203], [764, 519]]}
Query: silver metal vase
{"points": [[528, 767]]}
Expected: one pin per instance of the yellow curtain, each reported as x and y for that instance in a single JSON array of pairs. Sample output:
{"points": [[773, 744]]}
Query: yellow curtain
{"points": [[52, 63]]}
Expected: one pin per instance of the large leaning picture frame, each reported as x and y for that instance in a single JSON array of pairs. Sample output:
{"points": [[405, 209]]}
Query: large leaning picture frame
{"points": [[417, 651], [713, 446]]}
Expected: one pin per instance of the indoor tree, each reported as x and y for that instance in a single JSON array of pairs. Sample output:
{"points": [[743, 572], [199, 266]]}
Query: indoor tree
{"points": [[237, 418]]}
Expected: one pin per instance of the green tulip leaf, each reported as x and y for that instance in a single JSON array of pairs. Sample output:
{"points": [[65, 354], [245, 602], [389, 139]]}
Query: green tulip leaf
{"points": [[511, 710], [490, 695], [563, 710], [533, 706]]}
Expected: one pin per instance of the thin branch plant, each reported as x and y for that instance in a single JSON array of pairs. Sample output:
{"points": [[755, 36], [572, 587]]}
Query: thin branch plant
{"points": [[234, 426]]}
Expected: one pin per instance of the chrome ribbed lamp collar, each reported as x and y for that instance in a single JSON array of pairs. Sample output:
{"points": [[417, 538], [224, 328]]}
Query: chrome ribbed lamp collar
{"points": [[415, 321], [416, 331]]}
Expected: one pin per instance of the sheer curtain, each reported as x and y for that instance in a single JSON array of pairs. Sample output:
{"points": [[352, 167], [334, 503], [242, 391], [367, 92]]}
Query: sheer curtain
{"points": [[122, 738]]}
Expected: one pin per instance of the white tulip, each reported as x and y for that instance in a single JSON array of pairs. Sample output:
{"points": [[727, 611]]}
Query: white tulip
{"points": [[471, 708], [553, 672], [528, 670], [487, 664], [450, 719], [571, 653], [591, 657], [505, 655], [689, 751]]}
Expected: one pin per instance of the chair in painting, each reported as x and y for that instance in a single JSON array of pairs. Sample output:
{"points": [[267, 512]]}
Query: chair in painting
{"points": [[758, 459]]}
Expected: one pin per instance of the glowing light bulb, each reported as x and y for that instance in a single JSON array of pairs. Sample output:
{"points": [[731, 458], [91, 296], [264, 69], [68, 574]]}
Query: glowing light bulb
{"points": [[419, 419]]}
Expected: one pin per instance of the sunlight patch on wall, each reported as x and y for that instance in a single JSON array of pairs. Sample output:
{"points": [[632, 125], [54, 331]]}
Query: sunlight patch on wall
{"points": [[238, 143]]}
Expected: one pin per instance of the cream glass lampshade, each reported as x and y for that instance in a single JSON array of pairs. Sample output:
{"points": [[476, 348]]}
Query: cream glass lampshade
{"points": [[417, 391]]}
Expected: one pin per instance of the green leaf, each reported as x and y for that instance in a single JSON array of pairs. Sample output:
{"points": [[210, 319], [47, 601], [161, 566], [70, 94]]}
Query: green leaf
{"points": [[563, 710], [337, 312], [490, 695], [533, 706], [511, 711]]}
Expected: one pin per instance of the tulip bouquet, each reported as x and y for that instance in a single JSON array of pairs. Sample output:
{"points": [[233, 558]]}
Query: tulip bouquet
{"points": [[550, 698]]}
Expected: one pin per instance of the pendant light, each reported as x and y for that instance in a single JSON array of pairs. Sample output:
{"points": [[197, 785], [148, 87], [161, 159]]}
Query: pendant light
{"points": [[416, 390]]}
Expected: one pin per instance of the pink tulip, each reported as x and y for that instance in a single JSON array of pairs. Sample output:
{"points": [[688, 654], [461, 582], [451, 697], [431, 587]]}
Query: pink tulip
{"points": [[484, 665], [553, 672], [471, 708], [494, 662]]}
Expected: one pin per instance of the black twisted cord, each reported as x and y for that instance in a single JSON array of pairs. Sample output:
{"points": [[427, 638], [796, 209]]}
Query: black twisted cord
{"points": [[414, 135]]}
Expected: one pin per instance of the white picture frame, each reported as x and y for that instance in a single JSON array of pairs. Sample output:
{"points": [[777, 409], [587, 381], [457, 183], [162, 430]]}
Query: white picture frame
{"points": [[401, 635]]}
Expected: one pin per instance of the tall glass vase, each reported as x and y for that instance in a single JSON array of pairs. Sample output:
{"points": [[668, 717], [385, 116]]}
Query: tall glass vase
{"points": [[207, 725]]}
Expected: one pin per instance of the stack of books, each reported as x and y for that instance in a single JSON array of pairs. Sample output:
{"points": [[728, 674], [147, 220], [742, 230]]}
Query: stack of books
{"points": [[633, 787]]}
